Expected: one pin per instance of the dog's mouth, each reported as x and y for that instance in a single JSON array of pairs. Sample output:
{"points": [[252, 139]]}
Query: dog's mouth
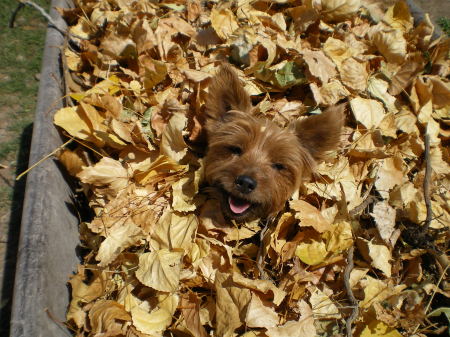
{"points": [[234, 206], [237, 205]]}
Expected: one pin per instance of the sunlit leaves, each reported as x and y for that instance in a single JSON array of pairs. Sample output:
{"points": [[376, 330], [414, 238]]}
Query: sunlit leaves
{"points": [[158, 253]]}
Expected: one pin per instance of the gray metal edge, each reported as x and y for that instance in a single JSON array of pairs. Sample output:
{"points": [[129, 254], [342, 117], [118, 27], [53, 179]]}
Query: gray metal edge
{"points": [[49, 231]]}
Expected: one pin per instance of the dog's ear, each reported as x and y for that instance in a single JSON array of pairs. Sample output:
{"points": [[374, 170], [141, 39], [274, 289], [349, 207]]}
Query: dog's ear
{"points": [[321, 133], [226, 93]]}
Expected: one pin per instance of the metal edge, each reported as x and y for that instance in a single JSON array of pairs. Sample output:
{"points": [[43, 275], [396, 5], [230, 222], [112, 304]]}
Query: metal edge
{"points": [[49, 230]]}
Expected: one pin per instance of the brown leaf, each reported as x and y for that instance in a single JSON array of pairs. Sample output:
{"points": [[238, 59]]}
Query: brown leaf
{"points": [[231, 304]]}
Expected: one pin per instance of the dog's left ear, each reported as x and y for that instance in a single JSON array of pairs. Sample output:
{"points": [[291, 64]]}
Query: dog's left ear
{"points": [[321, 133], [226, 93]]}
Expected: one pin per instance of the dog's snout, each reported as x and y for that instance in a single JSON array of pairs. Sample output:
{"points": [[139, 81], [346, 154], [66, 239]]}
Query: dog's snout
{"points": [[245, 184]]}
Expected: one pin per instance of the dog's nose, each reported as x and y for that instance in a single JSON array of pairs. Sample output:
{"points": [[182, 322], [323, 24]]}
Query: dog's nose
{"points": [[245, 184]]}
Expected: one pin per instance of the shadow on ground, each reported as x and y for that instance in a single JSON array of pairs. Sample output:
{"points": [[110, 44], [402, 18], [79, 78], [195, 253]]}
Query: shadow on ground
{"points": [[14, 231]]}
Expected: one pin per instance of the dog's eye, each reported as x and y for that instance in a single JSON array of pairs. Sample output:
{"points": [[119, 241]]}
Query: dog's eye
{"points": [[278, 166], [235, 150]]}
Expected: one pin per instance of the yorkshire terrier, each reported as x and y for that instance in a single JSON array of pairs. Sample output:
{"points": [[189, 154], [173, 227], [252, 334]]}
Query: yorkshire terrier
{"points": [[252, 165]]}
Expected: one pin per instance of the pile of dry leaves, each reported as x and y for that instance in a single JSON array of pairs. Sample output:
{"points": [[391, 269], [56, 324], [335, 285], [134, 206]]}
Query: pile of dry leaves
{"points": [[155, 264]]}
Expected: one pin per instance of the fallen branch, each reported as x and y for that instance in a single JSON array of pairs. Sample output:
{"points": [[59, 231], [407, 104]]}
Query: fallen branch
{"points": [[261, 252], [43, 159], [426, 183], [441, 279], [348, 288], [14, 14], [47, 16], [358, 209]]}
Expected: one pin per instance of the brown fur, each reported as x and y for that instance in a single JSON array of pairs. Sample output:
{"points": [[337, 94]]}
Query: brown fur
{"points": [[276, 159]]}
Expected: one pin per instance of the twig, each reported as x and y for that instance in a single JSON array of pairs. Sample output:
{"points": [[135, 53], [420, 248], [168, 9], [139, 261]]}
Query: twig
{"points": [[61, 325], [426, 183], [348, 288], [66, 74], [47, 16], [432, 296], [370, 199], [14, 15], [43, 159], [261, 252]]}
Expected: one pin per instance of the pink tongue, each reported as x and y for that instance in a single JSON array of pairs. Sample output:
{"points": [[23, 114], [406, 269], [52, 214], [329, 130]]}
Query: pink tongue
{"points": [[238, 206]]}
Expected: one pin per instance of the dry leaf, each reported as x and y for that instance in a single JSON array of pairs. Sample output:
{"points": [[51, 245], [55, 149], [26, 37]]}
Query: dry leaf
{"points": [[309, 216], [368, 112], [338, 10], [319, 65], [384, 216], [260, 315], [231, 304], [119, 238], [160, 269], [224, 22]]}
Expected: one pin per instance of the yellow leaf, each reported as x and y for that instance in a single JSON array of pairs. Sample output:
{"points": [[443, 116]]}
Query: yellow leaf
{"points": [[378, 88], [391, 44], [110, 85], [330, 93], [354, 74], [82, 28], [379, 329], [106, 172], [184, 191], [438, 164], [381, 257], [384, 216], [75, 124], [322, 305], [149, 170], [311, 253], [406, 121], [224, 22], [83, 292], [309, 216], [389, 175], [119, 238], [337, 50], [105, 316], [160, 269], [319, 65], [152, 72], [231, 304], [172, 142], [152, 322], [71, 161], [399, 17], [260, 315], [377, 291], [368, 112], [304, 327], [338, 238], [263, 286], [174, 231], [196, 75], [338, 10]]}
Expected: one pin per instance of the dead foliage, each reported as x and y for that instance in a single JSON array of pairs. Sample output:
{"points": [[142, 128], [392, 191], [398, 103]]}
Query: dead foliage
{"points": [[154, 262]]}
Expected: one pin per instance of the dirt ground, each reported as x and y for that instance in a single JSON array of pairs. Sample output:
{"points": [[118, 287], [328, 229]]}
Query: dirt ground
{"points": [[20, 62], [436, 8], [17, 102]]}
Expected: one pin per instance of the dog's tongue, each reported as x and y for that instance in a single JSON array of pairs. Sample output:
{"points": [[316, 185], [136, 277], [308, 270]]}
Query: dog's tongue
{"points": [[238, 206]]}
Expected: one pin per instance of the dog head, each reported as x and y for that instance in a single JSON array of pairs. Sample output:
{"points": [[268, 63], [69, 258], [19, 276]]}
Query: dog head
{"points": [[252, 165]]}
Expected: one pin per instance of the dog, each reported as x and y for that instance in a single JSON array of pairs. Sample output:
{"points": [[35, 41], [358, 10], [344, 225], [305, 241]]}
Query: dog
{"points": [[252, 165]]}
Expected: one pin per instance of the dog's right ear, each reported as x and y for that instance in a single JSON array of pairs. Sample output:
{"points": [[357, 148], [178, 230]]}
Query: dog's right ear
{"points": [[226, 93]]}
